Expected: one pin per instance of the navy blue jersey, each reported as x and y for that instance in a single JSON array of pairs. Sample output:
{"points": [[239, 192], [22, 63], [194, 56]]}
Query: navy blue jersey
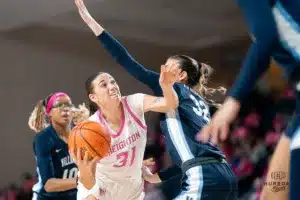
{"points": [[275, 29], [180, 127], [52, 161]]}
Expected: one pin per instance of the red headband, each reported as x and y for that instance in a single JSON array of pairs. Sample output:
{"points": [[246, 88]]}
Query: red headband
{"points": [[52, 99]]}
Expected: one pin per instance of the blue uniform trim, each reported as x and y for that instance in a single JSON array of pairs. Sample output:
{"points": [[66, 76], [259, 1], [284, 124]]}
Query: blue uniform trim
{"points": [[294, 25], [287, 16], [177, 136], [194, 182], [266, 44]]}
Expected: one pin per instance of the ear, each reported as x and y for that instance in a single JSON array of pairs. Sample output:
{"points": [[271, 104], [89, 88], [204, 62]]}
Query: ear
{"points": [[183, 76], [93, 98]]}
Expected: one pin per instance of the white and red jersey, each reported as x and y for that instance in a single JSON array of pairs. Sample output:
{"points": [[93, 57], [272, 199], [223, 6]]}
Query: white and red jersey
{"points": [[125, 158]]}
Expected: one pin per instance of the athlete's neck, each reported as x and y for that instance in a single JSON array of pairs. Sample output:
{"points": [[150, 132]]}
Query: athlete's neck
{"points": [[61, 130], [112, 114]]}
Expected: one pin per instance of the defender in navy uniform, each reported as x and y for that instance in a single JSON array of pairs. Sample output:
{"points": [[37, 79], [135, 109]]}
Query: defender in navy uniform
{"points": [[206, 175], [275, 29], [56, 171]]}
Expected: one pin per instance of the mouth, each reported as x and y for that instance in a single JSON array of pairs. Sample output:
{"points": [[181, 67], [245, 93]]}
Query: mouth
{"points": [[114, 94], [66, 116]]}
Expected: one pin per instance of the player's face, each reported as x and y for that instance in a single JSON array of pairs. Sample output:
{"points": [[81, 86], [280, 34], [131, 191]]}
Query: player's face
{"points": [[106, 90], [183, 75], [61, 110]]}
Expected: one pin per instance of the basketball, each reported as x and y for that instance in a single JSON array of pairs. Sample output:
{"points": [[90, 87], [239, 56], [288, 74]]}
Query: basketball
{"points": [[91, 137]]}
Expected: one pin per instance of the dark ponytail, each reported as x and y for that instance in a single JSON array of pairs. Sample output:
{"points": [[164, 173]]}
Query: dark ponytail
{"points": [[198, 77]]}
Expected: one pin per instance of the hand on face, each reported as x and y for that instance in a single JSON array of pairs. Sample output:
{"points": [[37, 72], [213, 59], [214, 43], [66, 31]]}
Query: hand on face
{"points": [[169, 75]]}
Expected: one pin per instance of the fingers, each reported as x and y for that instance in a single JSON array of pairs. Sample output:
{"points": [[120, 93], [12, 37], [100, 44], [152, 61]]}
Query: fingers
{"points": [[77, 3], [162, 68], [72, 154], [162, 73], [149, 162], [215, 135], [95, 160], [78, 156], [224, 132], [86, 157], [204, 134], [174, 69]]}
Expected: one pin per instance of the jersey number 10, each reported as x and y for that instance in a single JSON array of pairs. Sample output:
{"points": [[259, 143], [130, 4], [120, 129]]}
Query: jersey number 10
{"points": [[70, 173]]}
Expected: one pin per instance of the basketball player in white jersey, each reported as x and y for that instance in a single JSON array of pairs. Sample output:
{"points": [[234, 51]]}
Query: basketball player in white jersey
{"points": [[119, 175]]}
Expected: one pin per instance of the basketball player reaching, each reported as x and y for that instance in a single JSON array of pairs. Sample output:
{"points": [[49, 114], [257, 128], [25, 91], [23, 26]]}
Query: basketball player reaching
{"points": [[56, 171], [206, 175], [275, 29], [119, 175]]}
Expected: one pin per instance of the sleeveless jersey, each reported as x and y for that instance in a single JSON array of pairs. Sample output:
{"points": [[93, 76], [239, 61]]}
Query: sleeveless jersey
{"points": [[127, 145]]}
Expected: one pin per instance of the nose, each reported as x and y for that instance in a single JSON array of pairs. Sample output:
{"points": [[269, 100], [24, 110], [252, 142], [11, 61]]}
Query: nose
{"points": [[111, 86], [66, 109]]}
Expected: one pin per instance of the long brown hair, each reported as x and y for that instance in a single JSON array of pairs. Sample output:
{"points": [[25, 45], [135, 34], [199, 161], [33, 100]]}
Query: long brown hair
{"points": [[198, 76]]}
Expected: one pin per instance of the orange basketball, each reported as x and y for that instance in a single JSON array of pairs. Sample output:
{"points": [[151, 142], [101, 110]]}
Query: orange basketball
{"points": [[91, 137]]}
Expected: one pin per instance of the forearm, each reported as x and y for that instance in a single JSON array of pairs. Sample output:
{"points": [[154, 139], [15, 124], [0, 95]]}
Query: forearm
{"points": [[95, 27], [135, 69], [118, 52], [154, 178], [262, 28], [280, 163], [170, 98], [59, 185], [255, 64]]}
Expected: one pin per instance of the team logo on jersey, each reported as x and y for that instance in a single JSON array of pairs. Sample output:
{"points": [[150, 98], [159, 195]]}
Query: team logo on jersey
{"points": [[57, 150]]}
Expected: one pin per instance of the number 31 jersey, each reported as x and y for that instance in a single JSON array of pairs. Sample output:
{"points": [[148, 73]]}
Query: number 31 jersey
{"points": [[125, 158], [181, 126]]}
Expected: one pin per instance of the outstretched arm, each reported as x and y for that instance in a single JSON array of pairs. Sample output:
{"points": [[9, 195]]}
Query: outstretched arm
{"points": [[119, 53], [262, 26], [168, 76]]}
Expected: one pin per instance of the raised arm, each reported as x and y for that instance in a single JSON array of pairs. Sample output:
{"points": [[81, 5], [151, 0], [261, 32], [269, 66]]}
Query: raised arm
{"points": [[262, 27], [168, 76], [119, 53]]}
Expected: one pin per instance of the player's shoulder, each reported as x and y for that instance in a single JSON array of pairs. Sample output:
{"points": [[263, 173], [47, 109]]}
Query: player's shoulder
{"points": [[182, 89], [133, 97], [94, 117], [44, 138], [134, 100], [44, 134]]}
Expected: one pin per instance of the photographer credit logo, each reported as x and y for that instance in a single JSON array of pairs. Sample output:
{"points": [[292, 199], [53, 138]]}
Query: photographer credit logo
{"points": [[278, 181]]}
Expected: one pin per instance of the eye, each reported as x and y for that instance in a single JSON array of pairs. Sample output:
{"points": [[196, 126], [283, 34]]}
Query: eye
{"points": [[113, 82], [103, 85]]}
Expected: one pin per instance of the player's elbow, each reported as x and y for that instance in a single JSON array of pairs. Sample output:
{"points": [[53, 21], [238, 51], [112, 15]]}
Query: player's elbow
{"points": [[49, 186], [174, 104], [171, 104]]}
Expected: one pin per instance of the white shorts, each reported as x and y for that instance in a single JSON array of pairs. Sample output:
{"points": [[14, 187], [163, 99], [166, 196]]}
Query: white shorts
{"points": [[130, 189]]}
